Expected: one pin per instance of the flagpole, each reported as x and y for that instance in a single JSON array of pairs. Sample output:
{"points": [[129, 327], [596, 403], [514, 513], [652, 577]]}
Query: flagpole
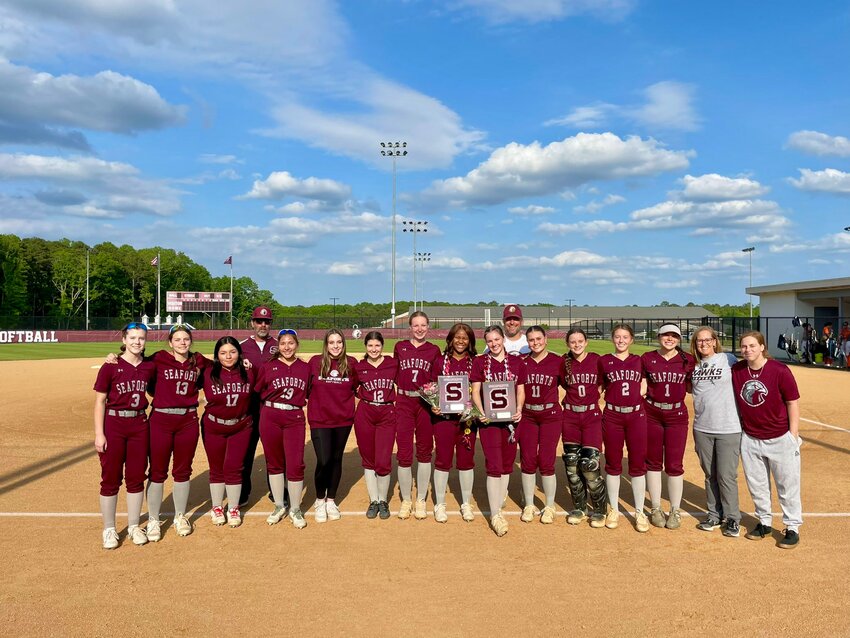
{"points": [[158, 290], [231, 293]]}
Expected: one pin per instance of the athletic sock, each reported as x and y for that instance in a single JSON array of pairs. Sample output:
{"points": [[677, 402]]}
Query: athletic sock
{"points": [[529, 482], [134, 508], [371, 484], [295, 489], [494, 494], [675, 487], [154, 500], [217, 494], [423, 479], [550, 486], [108, 505], [180, 494], [639, 492], [277, 483], [405, 483], [234, 492], [612, 486], [467, 479], [383, 487], [506, 479], [653, 484], [441, 483]]}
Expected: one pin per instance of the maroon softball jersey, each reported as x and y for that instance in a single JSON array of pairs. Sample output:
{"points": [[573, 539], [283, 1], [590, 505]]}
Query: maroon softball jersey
{"points": [[176, 384], [486, 368], [377, 384], [667, 381], [621, 379], [447, 365], [761, 397], [331, 398], [582, 384], [283, 383], [258, 351], [231, 398], [125, 384], [543, 379], [416, 366]]}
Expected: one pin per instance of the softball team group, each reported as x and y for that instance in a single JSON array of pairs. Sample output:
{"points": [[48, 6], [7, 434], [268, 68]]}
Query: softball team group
{"points": [[258, 389]]}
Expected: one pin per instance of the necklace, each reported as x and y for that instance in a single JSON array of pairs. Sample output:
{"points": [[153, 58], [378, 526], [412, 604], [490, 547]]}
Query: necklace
{"points": [[488, 376], [755, 374], [447, 358]]}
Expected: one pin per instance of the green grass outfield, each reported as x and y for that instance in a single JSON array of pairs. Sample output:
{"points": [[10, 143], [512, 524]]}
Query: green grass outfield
{"points": [[37, 351]]}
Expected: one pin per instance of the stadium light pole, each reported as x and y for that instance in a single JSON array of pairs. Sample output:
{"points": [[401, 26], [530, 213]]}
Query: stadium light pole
{"points": [[334, 300], [422, 258], [415, 227], [394, 150], [87, 287], [570, 301], [750, 250]]}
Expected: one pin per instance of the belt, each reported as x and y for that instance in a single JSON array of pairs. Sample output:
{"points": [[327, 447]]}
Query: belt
{"points": [[281, 406], [174, 410], [377, 402], [664, 406], [579, 408], [538, 407], [215, 419], [621, 409], [127, 414], [409, 393]]}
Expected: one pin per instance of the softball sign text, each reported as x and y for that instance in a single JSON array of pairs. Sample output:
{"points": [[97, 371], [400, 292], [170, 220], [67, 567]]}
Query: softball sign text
{"points": [[499, 400], [28, 336]]}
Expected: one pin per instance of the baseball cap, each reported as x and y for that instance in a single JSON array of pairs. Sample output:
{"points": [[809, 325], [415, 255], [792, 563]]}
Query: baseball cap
{"points": [[670, 327], [262, 312], [511, 311]]}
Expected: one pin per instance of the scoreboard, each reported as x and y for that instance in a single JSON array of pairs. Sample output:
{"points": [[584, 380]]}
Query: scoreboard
{"points": [[197, 301]]}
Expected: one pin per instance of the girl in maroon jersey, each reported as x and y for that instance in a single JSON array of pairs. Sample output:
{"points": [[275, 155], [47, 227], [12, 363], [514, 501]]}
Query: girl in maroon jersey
{"points": [[330, 411], [624, 419], [374, 421], [416, 366], [582, 431], [227, 425], [540, 428], [449, 432], [121, 433], [668, 378], [497, 438], [282, 387]]}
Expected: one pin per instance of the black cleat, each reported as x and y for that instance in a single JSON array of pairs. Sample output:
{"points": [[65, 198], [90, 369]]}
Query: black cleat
{"points": [[759, 532], [789, 540]]}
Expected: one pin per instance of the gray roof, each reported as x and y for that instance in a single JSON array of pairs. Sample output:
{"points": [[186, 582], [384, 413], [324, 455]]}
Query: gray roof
{"points": [[825, 285]]}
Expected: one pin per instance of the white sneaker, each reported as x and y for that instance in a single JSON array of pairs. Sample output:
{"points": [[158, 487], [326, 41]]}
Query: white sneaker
{"points": [[332, 510], [321, 511], [153, 531], [137, 535], [499, 525], [234, 517], [182, 525], [527, 514], [110, 538], [420, 510], [275, 517], [297, 519], [440, 513], [217, 515], [466, 512], [547, 517], [404, 510]]}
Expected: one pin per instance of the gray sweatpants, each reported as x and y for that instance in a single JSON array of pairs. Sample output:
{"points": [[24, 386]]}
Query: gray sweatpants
{"points": [[781, 458], [718, 456]]}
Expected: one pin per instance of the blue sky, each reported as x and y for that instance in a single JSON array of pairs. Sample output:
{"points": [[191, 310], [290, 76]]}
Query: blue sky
{"points": [[608, 151]]}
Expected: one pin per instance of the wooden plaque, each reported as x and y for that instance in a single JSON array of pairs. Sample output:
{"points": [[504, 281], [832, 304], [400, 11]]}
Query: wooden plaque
{"points": [[454, 393], [499, 399]]}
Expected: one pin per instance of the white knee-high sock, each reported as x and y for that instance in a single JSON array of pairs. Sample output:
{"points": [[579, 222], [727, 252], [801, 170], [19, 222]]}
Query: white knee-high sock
{"points": [[423, 479], [277, 482], [295, 490], [441, 483], [639, 492], [529, 482], [383, 487], [154, 500], [217, 494], [108, 506], [653, 484], [405, 483], [494, 494], [134, 508], [233, 494], [612, 486], [180, 494], [550, 486], [506, 479], [467, 479], [371, 484], [675, 487]]}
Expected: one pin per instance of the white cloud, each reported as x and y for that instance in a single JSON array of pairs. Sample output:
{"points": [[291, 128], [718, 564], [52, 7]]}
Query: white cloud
{"points": [[829, 180], [686, 283], [594, 206], [281, 184], [518, 170], [575, 258], [714, 187], [531, 210], [340, 268], [820, 144], [593, 116], [500, 11]]}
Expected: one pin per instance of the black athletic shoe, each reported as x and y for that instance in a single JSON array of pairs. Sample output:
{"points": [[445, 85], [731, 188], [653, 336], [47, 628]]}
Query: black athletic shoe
{"points": [[372, 512], [383, 510], [732, 529], [709, 524], [759, 532], [790, 539]]}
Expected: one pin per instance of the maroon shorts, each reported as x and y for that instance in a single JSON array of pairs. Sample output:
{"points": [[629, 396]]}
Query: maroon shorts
{"points": [[584, 428], [499, 453], [126, 454], [631, 429], [175, 434], [413, 415], [374, 427], [448, 436], [538, 434], [225, 446], [282, 433], [666, 438]]}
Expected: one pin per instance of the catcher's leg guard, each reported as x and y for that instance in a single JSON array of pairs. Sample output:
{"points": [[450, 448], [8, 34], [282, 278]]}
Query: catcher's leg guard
{"points": [[590, 471], [574, 480]]}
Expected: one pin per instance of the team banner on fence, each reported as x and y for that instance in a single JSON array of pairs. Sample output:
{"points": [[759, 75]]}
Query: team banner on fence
{"points": [[454, 393], [499, 399]]}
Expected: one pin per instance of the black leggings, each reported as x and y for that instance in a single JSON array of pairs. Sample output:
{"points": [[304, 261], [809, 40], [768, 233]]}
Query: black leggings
{"points": [[329, 445]]}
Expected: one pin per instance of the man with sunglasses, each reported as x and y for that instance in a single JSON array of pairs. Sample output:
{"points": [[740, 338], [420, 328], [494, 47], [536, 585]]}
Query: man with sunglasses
{"points": [[258, 348]]}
